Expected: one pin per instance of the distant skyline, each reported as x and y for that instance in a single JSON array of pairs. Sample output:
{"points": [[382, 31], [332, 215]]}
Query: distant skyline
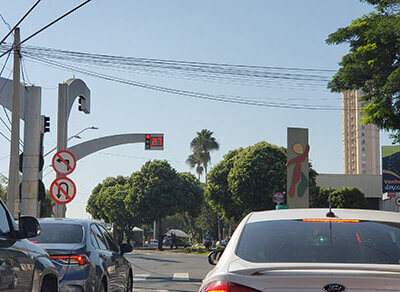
{"points": [[286, 33]]}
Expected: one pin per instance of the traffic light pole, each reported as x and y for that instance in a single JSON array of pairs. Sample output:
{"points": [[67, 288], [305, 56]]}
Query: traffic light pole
{"points": [[67, 93]]}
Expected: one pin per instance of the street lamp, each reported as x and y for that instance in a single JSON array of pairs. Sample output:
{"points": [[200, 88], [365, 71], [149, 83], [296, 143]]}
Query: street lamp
{"points": [[73, 136]]}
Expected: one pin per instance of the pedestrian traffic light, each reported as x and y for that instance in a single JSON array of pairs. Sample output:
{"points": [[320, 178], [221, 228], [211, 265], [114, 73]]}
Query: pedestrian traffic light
{"points": [[46, 124]]}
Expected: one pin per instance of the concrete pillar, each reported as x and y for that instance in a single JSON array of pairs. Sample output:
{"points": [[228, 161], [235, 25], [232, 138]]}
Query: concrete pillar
{"points": [[30, 166]]}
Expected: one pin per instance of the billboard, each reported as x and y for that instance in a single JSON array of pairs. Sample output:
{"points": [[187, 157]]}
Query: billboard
{"points": [[391, 169]]}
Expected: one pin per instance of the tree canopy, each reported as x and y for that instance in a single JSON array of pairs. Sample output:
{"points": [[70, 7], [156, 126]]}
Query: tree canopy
{"points": [[372, 65], [245, 180], [339, 198]]}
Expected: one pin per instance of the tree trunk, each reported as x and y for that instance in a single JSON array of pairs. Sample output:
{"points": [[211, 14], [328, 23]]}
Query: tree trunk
{"points": [[160, 235]]}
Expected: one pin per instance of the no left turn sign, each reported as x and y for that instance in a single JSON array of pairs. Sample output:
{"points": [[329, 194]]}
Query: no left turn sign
{"points": [[64, 162], [63, 190]]}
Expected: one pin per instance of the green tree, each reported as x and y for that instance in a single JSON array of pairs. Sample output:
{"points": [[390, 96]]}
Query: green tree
{"points": [[372, 64], [217, 192], [191, 196], [201, 146], [257, 173], [339, 198], [245, 180], [154, 193], [96, 199], [45, 206], [114, 209]]}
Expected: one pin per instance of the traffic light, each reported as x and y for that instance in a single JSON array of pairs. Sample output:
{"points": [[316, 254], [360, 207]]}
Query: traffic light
{"points": [[46, 124], [154, 141], [84, 104], [147, 141]]}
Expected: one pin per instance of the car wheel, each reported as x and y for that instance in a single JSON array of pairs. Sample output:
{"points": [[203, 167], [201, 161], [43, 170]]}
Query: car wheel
{"points": [[129, 284]]}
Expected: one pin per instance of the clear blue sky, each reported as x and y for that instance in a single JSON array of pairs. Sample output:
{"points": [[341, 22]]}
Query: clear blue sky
{"points": [[284, 33]]}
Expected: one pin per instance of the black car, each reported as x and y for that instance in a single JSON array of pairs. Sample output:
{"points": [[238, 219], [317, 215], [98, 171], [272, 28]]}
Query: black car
{"points": [[86, 256], [23, 265]]}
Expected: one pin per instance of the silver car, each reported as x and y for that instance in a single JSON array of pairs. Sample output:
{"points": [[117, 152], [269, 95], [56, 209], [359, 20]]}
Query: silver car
{"points": [[307, 250]]}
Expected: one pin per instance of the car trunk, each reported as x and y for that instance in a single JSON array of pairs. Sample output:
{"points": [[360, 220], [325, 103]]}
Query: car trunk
{"points": [[60, 249], [308, 277]]}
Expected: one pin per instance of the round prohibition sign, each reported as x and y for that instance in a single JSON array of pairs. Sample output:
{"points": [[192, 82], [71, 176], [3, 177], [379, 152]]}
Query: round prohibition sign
{"points": [[62, 190], [64, 162], [397, 201]]}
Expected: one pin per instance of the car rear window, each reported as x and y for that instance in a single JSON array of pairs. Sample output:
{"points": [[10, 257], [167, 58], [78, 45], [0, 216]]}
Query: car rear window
{"points": [[59, 233], [320, 242]]}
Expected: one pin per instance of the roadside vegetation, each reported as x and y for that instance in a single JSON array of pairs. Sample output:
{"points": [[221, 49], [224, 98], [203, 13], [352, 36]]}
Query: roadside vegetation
{"points": [[242, 182]]}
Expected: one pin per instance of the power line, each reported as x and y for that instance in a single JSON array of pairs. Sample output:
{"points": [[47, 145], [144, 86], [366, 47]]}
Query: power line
{"points": [[6, 23], [204, 96], [48, 25], [252, 75], [16, 25]]}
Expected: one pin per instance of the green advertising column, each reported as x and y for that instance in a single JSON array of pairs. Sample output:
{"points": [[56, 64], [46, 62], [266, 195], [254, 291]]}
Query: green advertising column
{"points": [[297, 168]]}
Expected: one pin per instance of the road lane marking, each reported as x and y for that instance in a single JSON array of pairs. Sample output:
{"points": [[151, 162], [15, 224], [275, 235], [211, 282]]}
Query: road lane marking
{"points": [[180, 277], [140, 277]]}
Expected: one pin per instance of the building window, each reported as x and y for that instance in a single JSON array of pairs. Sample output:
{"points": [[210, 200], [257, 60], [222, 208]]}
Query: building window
{"points": [[363, 164], [363, 156], [364, 171], [363, 141], [363, 149], [362, 127], [363, 134]]}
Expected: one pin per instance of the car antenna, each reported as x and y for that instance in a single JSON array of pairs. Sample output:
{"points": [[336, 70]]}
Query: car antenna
{"points": [[330, 213]]}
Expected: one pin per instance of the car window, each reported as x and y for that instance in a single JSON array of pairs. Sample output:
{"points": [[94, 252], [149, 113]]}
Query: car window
{"points": [[59, 233], [109, 239], [320, 242], [100, 239], [4, 227], [93, 239]]}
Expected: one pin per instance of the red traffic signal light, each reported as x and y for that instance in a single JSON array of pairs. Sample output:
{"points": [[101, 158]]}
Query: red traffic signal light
{"points": [[154, 142]]}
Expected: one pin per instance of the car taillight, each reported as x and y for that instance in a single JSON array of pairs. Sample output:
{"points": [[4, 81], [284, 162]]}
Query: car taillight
{"points": [[223, 286], [79, 260]]}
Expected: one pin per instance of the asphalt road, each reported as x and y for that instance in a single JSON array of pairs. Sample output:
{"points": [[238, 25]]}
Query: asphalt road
{"points": [[167, 271]]}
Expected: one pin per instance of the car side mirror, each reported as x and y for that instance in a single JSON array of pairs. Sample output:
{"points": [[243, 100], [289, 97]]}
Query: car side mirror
{"points": [[28, 227], [125, 247], [214, 256]]}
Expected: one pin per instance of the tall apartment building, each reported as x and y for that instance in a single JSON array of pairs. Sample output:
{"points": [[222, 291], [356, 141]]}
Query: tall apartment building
{"points": [[361, 143]]}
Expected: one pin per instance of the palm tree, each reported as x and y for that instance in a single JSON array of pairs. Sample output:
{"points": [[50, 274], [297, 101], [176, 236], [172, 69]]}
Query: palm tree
{"points": [[201, 146], [194, 161]]}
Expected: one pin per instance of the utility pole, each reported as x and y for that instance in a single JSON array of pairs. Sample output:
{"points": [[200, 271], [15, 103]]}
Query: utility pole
{"points": [[13, 185]]}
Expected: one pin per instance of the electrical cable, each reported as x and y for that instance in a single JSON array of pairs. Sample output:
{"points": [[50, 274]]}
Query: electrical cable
{"points": [[204, 96], [48, 25], [5, 22], [22, 19], [244, 73]]}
